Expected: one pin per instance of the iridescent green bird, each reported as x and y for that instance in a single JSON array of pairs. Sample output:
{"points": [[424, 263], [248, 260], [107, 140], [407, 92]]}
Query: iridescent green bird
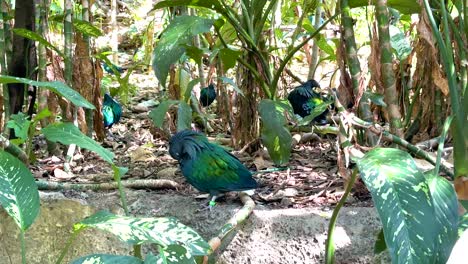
{"points": [[304, 99], [111, 69], [111, 111], [207, 166], [207, 95]]}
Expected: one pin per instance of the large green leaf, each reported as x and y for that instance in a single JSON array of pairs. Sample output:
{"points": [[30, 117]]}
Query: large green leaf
{"points": [[107, 259], [158, 114], [171, 45], [86, 28], [67, 133], [404, 6], [18, 191], [20, 124], [229, 57], [445, 203], [403, 200], [25, 33], [318, 110], [184, 116], [163, 231], [57, 87], [275, 135], [175, 254], [211, 4], [232, 83], [400, 44], [79, 25]]}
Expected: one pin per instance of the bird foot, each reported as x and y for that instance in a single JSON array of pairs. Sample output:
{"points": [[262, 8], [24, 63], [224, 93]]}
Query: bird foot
{"points": [[209, 207]]}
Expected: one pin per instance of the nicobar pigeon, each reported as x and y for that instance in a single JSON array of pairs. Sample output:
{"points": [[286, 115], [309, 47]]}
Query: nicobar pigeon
{"points": [[111, 111], [209, 167], [207, 95], [304, 99], [110, 68]]}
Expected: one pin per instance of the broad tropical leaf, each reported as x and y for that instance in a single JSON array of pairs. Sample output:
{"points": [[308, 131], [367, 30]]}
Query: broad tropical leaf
{"points": [[229, 57], [86, 28], [399, 42], [319, 109], [107, 259], [158, 114], [20, 124], [175, 254], [445, 203], [36, 37], [184, 116], [404, 6], [211, 4], [275, 134], [18, 191], [232, 83], [163, 231], [403, 200], [57, 87], [67, 133], [171, 45]]}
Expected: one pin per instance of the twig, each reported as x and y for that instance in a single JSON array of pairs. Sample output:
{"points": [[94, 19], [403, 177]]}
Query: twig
{"points": [[134, 184], [235, 220]]}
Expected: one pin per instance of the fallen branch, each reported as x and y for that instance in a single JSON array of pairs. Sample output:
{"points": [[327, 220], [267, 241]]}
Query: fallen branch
{"points": [[235, 220], [133, 184]]}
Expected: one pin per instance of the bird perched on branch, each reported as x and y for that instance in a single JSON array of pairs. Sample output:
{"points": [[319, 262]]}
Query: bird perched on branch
{"points": [[111, 111], [110, 68], [207, 95], [207, 166], [304, 99]]}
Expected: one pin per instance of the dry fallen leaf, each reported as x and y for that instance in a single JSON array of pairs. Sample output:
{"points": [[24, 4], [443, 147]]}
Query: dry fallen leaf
{"points": [[141, 154], [62, 175], [261, 163]]}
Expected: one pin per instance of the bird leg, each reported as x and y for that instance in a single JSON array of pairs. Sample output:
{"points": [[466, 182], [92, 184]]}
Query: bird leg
{"points": [[212, 202]]}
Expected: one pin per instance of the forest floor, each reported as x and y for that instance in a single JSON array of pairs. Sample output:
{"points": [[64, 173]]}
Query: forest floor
{"points": [[311, 179]]}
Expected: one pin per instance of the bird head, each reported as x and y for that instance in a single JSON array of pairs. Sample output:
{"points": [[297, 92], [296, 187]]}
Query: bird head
{"points": [[186, 144], [107, 98], [312, 83], [211, 86]]}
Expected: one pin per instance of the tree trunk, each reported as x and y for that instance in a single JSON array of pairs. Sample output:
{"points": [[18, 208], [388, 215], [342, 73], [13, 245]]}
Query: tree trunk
{"points": [[246, 127], [21, 64]]}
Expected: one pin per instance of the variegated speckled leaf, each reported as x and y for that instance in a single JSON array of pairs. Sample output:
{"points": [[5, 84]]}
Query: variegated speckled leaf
{"points": [[179, 233], [18, 191], [107, 259], [175, 254], [164, 231], [445, 203], [402, 198]]}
